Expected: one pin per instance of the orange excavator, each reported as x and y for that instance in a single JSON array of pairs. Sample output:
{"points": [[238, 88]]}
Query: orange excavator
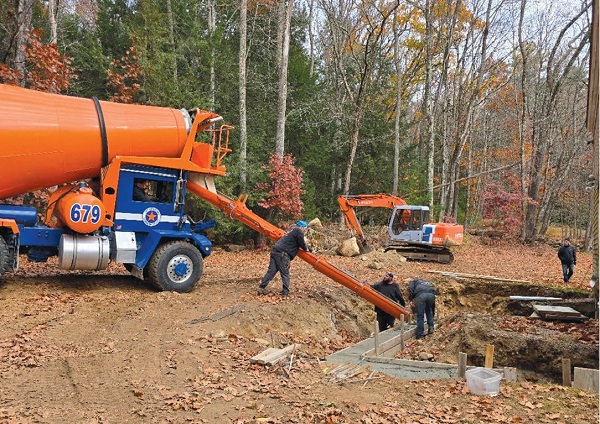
{"points": [[409, 229], [97, 152]]}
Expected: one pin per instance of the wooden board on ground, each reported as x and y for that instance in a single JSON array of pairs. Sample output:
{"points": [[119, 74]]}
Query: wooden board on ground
{"points": [[273, 355], [558, 312], [458, 275], [534, 298]]}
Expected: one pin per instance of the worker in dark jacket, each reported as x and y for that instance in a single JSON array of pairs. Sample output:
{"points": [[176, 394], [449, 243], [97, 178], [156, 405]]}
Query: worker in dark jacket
{"points": [[568, 259], [140, 191], [282, 254], [422, 295], [391, 290]]}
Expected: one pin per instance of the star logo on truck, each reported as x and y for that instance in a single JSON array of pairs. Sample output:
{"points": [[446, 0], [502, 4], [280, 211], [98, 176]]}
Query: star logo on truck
{"points": [[151, 217]]}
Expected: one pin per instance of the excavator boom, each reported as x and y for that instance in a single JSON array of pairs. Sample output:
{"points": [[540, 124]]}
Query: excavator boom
{"points": [[347, 204]]}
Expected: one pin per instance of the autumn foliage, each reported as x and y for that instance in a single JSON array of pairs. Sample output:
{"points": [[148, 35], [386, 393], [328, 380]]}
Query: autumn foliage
{"points": [[284, 188], [503, 209], [123, 75], [45, 68]]}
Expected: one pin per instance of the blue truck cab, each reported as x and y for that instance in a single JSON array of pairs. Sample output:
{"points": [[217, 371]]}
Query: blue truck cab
{"points": [[169, 246], [151, 234]]}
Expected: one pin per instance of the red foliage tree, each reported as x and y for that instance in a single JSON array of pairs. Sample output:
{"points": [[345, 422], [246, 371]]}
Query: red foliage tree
{"points": [[503, 209], [284, 188], [124, 75]]}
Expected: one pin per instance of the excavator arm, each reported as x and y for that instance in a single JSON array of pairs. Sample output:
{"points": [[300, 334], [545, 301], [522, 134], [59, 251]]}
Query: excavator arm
{"points": [[348, 203]]}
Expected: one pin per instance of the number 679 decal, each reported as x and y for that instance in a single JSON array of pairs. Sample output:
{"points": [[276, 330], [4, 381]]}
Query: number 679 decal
{"points": [[85, 213]]}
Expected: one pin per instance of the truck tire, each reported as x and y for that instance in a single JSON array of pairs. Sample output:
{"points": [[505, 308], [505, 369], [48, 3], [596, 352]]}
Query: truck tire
{"points": [[5, 260], [175, 266]]}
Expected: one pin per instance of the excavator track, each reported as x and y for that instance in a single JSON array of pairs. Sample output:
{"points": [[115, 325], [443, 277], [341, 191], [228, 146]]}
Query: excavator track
{"points": [[437, 254]]}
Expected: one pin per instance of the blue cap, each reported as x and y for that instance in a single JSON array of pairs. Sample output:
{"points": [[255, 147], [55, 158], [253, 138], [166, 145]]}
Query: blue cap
{"points": [[302, 224]]}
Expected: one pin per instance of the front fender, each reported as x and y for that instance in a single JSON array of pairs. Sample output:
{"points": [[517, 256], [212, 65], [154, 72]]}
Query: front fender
{"points": [[155, 238]]}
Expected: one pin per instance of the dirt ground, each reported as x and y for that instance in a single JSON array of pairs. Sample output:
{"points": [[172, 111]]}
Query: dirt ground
{"points": [[104, 347]]}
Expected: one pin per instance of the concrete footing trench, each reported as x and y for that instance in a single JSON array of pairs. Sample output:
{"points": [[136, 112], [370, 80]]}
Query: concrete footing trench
{"points": [[534, 349]]}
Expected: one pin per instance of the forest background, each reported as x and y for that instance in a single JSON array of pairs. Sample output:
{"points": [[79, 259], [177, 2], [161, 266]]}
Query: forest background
{"points": [[475, 108]]}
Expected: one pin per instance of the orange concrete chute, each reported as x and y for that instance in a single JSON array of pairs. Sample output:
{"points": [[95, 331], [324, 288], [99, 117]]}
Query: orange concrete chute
{"points": [[48, 139], [236, 209]]}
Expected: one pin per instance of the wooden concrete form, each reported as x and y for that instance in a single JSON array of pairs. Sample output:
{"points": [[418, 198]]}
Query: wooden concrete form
{"points": [[566, 372], [489, 356], [462, 365], [390, 347], [586, 379]]}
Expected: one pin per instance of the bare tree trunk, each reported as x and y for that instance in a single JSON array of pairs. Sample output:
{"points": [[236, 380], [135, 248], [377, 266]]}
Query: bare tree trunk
{"points": [[242, 94], [285, 16], [212, 26], [445, 36], [24, 16], [52, 11], [471, 108], [523, 109], [372, 42], [311, 36], [398, 105], [172, 39], [428, 101], [356, 123]]}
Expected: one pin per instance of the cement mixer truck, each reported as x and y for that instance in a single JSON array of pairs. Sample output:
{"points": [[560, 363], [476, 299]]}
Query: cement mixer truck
{"points": [[93, 154], [72, 143]]}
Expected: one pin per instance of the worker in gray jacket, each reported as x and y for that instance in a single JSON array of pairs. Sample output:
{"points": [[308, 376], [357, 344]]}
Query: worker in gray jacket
{"points": [[282, 254], [422, 295]]}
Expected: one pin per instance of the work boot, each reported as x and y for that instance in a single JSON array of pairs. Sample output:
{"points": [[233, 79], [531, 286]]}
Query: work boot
{"points": [[284, 293], [262, 291], [430, 330]]}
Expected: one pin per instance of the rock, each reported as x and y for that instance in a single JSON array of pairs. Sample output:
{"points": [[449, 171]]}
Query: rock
{"points": [[348, 248], [375, 265], [315, 223], [425, 356], [234, 248]]}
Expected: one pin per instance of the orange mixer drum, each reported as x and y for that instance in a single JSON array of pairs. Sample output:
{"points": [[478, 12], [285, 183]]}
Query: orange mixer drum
{"points": [[81, 211], [48, 139]]}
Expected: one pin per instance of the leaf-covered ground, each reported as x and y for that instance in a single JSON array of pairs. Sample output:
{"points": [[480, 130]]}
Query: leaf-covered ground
{"points": [[102, 347]]}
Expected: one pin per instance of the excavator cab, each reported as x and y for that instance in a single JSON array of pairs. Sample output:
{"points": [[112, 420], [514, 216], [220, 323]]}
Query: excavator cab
{"points": [[407, 221]]}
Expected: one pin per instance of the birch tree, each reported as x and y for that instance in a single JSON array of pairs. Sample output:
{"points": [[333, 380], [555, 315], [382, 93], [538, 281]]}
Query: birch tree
{"points": [[242, 93], [285, 17]]}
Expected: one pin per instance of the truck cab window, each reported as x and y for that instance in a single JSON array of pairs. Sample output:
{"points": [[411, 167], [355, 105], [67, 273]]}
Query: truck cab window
{"points": [[152, 191]]}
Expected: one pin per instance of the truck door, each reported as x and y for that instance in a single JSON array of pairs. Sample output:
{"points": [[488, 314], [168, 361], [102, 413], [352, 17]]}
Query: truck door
{"points": [[146, 201]]}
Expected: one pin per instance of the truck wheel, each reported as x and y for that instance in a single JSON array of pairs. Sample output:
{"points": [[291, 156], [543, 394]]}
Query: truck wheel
{"points": [[175, 266], [5, 262]]}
